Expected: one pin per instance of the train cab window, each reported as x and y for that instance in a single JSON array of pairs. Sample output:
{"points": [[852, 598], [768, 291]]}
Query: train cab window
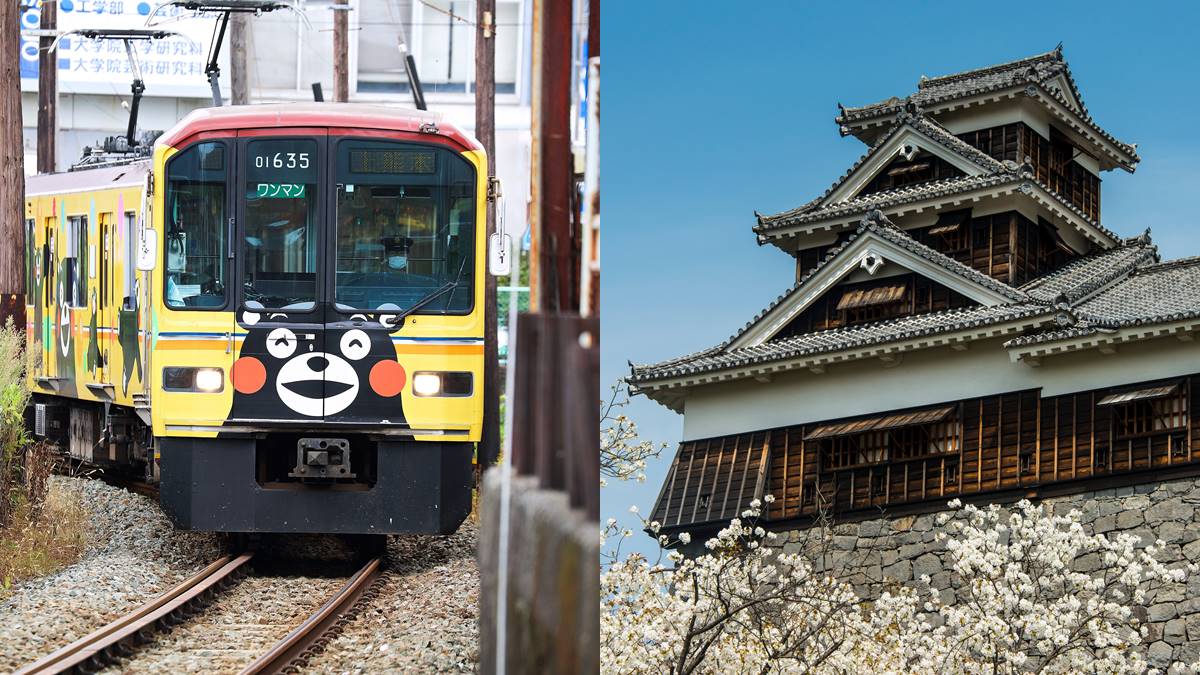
{"points": [[405, 227], [281, 220], [196, 225]]}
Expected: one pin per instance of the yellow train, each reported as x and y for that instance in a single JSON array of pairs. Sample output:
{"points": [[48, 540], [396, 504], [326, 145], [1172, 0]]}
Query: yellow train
{"points": [[278, 315]]}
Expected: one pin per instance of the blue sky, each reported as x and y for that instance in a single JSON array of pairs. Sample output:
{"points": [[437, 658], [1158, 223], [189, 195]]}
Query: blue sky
{"points": [[716, 109]]}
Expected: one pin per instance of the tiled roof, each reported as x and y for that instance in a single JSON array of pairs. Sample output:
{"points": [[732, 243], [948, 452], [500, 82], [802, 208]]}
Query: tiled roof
{"points": [[1152, 293], [1039, 68], [813, 211], [928, 128], [1168, 291], [1016, 176], [878, 224], [1035, 70], [838, 339], [1122, 287], [1084, 276]]}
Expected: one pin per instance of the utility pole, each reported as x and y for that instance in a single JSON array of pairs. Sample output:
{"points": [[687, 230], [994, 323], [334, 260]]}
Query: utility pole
{"points": [[341, 51], [485, 131], [12, 169], [47, 121], [549, 287], [239, 81]]}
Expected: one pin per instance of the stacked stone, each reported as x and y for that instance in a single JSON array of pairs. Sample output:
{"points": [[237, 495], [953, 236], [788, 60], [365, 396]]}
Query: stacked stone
{"points": [[875, 553]]}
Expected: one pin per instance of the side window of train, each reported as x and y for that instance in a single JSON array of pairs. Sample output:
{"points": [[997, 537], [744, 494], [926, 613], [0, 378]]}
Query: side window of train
{"points": [[196, 227], [129, 239], [75, 261]]}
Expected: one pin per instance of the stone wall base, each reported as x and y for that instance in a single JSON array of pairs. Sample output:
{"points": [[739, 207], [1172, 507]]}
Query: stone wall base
{"points": [[902, 549]]}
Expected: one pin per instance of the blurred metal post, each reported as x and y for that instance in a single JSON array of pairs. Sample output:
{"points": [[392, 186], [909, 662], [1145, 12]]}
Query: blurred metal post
{"points": [[47, 120], [485, 131]]}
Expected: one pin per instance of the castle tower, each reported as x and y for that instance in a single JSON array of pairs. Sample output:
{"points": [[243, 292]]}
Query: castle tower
{"points": [[962, 323]]}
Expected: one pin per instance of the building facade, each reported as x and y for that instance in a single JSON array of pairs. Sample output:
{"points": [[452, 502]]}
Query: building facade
{"points": [[961, 324], [286, 54]]}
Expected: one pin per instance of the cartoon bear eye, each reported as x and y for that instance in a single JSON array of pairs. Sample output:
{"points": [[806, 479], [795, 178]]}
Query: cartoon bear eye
{"points": [[355, 344], [281, 343]]}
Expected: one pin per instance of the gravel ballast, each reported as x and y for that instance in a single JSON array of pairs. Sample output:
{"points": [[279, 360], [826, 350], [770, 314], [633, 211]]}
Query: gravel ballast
{"points": [[423, 619], [426, 616], [133, 554]]}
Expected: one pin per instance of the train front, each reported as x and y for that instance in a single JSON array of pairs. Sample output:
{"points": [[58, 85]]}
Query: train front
{"points": [[317, 338]]}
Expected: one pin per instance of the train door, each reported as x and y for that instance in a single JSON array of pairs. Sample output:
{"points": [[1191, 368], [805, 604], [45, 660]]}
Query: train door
{"points": [[108, 298], [49, 307], [282, 367]]}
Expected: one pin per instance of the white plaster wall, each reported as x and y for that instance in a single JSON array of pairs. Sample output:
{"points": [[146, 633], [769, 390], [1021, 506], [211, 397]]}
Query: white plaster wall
{"points": [[922, 378]]}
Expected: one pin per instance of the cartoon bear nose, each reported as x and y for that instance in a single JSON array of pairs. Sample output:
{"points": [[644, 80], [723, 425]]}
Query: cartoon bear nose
{"points": [[318, 363]]}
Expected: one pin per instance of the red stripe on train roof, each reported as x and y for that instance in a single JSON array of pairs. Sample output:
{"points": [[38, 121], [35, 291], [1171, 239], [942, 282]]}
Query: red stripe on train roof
{"points": [[344, 115]]}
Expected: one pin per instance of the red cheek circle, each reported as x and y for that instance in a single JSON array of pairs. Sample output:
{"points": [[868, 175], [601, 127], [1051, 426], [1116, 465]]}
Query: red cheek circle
{"points": [[248, 375], [387, 378]]}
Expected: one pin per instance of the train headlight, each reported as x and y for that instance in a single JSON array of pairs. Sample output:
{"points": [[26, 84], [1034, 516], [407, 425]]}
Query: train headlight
{"points": [[210, 379], [427, 383], [204, 380]]}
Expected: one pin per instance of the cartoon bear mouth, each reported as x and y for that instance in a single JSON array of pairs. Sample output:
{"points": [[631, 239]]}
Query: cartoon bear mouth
{"points": [[317, 388], [326, 389]]}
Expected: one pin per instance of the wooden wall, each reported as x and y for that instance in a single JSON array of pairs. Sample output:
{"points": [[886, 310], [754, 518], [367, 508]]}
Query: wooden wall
{"points": [[1012, 441], [1052, 159]]}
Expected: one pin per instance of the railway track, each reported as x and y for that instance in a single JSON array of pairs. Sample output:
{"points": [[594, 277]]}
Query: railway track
{"points": [[123, 637]]}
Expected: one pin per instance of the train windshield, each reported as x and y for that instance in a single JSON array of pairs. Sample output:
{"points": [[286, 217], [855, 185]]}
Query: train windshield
{"points": [[405, 227], [281, 223]]}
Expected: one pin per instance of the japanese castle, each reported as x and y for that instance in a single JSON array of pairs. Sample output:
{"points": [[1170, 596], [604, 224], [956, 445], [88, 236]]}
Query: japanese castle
{"points": [[961, 323]]}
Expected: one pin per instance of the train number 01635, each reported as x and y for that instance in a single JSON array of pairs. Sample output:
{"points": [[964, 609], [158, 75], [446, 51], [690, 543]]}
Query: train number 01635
{"points": [[282, 160]]}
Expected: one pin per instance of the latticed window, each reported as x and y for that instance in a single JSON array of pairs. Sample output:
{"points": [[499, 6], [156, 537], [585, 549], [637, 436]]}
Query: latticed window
{"points": [[1148, 411], [889, 438]]}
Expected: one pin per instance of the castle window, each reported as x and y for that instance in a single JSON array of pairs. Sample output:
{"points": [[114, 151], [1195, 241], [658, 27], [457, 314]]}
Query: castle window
{"points": [[860, 305], [1027, 462], [893, 437], [1147, 411]]}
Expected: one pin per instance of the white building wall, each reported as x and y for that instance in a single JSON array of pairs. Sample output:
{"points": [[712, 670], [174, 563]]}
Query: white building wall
{"points": [[922, 378]]}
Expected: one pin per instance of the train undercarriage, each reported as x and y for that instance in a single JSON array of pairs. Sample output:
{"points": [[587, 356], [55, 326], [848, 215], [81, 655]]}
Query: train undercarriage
{"points": [[273, 481]]}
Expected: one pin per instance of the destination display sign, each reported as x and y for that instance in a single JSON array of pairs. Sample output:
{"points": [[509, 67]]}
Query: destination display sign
{"points": [[273, 165], [393, 161]]}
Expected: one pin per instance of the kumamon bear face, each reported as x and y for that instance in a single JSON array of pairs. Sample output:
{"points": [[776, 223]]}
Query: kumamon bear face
{"points": [[284, 368]]}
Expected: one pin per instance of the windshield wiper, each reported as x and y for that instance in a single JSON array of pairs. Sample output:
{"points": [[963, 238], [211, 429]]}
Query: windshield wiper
{"points": [[448, 287]]}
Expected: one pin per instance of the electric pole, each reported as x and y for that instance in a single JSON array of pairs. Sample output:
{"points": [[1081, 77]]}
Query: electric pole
{"points": [[341, 51], [485, 131], [551, 256], [47, 120], [12, 168], [239, 81]]}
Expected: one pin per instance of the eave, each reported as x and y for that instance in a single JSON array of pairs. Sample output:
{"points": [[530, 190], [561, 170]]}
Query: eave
{"points": [[1096, 337], [671, 392], [783, 236], [1118, 154]]}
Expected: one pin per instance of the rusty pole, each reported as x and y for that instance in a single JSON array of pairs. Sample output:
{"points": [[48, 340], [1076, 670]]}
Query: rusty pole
{"points": [[550, 289]]}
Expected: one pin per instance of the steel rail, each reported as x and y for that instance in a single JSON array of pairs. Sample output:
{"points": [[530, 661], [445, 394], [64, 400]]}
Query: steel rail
{"points": [[117, 638], [294, 650]]}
